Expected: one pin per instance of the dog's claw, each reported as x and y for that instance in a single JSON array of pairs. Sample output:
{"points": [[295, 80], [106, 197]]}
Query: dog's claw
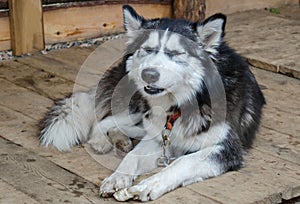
{"points": [[105, 194], [123, 195]]}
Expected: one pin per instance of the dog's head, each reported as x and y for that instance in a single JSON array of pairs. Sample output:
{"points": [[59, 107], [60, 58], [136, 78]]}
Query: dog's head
{"points": [[170, 56]]}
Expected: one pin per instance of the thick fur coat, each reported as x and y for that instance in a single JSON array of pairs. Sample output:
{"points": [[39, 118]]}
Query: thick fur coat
{"points": [[170, 66]]}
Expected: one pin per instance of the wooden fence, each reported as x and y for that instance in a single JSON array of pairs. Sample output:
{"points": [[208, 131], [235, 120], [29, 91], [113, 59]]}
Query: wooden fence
{"points": [[27, 25]]}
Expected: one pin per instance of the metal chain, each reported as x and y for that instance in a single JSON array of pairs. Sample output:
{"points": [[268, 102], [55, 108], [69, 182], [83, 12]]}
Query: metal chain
{"points": [[164, 160]]}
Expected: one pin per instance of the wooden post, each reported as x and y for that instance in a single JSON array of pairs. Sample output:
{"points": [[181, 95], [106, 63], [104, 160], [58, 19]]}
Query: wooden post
{"points": [[26, 25], [193, 10]]}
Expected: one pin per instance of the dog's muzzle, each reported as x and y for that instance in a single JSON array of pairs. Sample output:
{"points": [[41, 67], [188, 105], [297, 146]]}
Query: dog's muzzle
{"points": [[152, 90], [150, 75]]}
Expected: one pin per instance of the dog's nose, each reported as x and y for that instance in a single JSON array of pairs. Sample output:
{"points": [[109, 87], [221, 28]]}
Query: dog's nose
{"points": [[150, 75]]}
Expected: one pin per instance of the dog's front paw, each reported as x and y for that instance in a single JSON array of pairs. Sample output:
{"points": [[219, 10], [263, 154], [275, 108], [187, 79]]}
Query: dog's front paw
{"points": [[100, 144], [122, 143], [149, 189], [114, 183]]}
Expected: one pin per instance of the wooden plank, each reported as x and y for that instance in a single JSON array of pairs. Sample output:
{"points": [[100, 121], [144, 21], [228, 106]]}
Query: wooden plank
{"points": [[282, 96], [275, 43], [48, 182], [65, 71], [22, 100], [23, 130], [74, 56], [10, 195], [184, 195], [79, 65], [265, 179], [282, 149], [37, 80], [57, 4], [192, 10], [77, 23], [5, 43], [232, 6], [26, 23], [20, 129]]}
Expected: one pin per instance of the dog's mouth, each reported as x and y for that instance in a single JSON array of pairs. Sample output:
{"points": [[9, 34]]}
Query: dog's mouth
{"points": [[152, 90]]}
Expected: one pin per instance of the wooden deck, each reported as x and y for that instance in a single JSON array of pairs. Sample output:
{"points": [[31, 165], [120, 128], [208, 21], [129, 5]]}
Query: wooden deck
{"points": [[30, 173]]}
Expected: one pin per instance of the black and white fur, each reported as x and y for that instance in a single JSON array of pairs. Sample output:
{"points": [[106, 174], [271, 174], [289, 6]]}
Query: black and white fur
{"points": [[169, 64]]}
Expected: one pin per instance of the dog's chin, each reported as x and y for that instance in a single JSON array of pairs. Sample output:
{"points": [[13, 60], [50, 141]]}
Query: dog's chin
{"points": [[154, 91]]}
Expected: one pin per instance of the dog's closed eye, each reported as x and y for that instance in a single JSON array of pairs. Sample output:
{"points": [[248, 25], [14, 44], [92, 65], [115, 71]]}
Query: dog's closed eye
{"points": [[174, 53], [149, 50]]}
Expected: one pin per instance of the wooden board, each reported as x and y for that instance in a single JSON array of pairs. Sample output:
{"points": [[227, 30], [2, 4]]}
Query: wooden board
{"points": [[26, 23], [265, 179], [5, 43], [268, 41], [11, 195], [79, 65], [21, 100], [77, 23], [41, 179], [37, 80], [232, 6], [282, 94], [272, 167], [193, 10]]}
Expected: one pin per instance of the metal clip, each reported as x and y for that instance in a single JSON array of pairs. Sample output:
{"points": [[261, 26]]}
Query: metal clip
{"points": [[165, 137], [163, 161]]}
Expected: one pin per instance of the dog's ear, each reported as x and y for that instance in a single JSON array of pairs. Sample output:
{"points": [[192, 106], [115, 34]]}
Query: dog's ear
{"points": [[132, 21], [212, 31]]}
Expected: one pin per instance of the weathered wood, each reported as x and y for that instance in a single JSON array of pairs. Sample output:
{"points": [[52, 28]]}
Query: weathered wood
{"points": [[77, 161], [272, 168], [268, 41], [79, 65], [41, 179], [37, 80], [233, 6], [5, 43], [265, 179], [26, 23], [77, 23], [22, 100], [11, 195], [281, 147], [282, 96], [193, 10], [66, 71], [57, 4], [24, 131]]}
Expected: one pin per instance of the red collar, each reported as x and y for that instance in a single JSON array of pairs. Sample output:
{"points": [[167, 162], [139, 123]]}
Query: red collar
{"points": [[171, 120]]}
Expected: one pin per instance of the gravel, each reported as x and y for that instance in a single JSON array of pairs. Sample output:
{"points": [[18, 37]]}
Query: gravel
{"points": [[7, 54]]}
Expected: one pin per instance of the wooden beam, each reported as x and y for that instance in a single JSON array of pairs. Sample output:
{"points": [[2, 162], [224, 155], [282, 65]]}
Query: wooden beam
{"points": [[26, 23], [193, 10], [79, 23]]}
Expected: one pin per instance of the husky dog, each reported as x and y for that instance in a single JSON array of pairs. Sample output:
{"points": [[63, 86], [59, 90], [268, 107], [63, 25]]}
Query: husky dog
{"points": [[190, 98]]}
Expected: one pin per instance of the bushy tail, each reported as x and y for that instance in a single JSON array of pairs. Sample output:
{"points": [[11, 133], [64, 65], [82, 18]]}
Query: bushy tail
{"points": [[69, 121]]}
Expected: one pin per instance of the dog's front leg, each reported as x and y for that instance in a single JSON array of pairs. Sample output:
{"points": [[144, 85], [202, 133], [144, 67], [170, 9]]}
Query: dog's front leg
{"points": [[183, 171], [141, 160]]}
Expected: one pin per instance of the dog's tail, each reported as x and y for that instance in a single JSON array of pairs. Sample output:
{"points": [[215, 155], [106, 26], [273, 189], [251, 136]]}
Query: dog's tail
{"points": [[69, 121]]}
